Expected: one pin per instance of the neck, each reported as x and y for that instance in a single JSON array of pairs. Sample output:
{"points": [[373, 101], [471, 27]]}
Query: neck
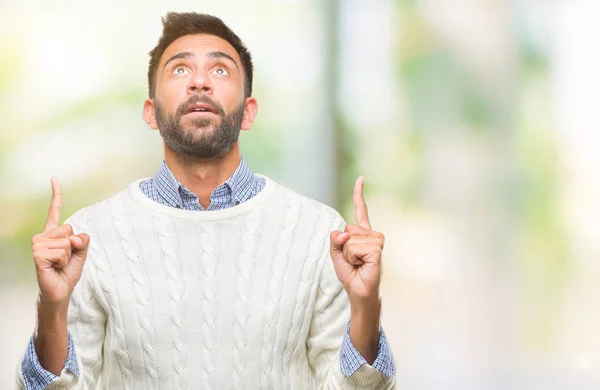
{"points": [[202, 176]]}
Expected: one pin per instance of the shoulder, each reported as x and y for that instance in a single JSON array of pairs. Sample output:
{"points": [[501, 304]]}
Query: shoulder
{"points": [[84, 217], [309, 206]]}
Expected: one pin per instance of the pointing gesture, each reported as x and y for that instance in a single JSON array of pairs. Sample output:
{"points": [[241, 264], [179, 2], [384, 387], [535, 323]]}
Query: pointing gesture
{"points": [[356, 252], [58, 254], [360, 207], [55, 206]]}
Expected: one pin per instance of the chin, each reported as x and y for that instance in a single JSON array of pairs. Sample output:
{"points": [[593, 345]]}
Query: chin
{"points": [[201, 124]]}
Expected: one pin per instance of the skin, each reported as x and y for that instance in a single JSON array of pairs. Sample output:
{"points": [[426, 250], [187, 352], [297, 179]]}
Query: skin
{"points": [[59, 256], [208, 65], [200, 73], [356, 256]]}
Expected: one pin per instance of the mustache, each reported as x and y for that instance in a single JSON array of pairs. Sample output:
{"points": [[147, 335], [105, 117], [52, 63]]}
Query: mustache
{"points": [[195, 99]]}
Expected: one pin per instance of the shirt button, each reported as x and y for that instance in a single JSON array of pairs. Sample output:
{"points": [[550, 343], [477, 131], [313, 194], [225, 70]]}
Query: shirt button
{"points": [[178, 206], [237, 202]]}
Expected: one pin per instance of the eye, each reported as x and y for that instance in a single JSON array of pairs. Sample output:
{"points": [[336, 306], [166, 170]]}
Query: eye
{"points": [[180, 70], [220, 71]]}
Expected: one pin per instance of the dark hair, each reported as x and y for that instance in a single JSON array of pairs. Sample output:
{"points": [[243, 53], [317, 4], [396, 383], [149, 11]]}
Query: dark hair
{"points": [[177, 25]]}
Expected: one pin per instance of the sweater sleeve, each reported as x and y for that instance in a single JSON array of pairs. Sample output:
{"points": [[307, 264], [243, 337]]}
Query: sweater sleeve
{"points": [[86, 327], [328, 326]]}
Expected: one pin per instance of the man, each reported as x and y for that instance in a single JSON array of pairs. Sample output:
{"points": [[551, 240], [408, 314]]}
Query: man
{"points": [[206, 275]]}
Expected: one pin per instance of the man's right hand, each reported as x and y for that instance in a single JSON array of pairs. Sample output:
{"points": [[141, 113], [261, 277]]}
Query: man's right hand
{"points": [[59, 255]]}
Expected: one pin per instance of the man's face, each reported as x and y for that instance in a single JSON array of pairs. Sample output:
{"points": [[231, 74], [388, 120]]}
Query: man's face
{"points": [[199, 104]]}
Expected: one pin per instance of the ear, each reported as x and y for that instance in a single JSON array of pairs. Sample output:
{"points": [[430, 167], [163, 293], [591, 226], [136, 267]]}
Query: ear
{"points": [[250, 111], [149, 114]]}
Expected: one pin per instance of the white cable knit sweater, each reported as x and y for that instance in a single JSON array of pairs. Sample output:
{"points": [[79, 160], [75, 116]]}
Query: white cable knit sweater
{"points": [[241, 298]]}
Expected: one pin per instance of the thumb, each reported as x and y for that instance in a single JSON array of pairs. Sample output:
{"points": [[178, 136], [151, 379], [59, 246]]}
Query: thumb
{"points": [[338, 239], [80, 244]]}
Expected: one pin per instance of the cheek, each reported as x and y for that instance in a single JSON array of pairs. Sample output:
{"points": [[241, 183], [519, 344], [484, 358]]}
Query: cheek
{"points": [[171, 91], [169, 99], [230, 94]]}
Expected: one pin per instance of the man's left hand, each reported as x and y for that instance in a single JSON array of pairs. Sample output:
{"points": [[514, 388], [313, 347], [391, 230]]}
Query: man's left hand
{"points": [[356, 253]]}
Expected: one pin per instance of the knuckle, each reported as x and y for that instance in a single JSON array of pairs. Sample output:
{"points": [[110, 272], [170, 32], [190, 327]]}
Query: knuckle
{"points": [[352, 228], [69, 228], [65, 243], [38, 257]]}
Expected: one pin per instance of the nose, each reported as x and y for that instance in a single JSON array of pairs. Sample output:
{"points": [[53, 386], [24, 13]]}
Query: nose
{"points": [[199, 82]]}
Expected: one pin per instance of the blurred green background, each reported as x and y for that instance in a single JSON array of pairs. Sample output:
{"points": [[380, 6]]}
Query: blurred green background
{"points": [[474, 122]]}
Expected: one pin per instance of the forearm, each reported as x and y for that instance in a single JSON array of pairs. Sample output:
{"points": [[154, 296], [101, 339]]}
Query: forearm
{"points": [[364, 327], [51, 339]]}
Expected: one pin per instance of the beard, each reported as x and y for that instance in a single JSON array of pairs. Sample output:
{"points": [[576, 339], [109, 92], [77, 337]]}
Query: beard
{"points": [[193, 144]]}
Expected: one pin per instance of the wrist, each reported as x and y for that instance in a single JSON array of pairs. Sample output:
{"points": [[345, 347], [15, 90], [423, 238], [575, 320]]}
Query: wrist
{"points": [[364, 328], [52, 304], [51, 316], [365, 306], [51, 336]]}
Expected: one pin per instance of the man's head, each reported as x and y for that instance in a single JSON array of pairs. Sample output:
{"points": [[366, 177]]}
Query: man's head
{"points": [[200, 85], [177, 25]]}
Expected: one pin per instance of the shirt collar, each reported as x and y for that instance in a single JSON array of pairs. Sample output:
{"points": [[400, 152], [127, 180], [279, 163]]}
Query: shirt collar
{"points": [[239, 185], [241, 182]]}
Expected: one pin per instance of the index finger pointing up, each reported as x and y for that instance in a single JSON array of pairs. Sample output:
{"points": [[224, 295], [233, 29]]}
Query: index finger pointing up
{"points": [[360, 207], [55, 206]]}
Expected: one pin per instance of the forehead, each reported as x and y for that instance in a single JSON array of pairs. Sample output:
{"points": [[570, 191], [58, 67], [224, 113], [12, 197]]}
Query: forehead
{"points": [[199, 44]]}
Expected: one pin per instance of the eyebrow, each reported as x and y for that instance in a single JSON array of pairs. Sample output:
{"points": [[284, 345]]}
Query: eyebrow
{"points": [[212, 54], [221, 54], [177, 56]]}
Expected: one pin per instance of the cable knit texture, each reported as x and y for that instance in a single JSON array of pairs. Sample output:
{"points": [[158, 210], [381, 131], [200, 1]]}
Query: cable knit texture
{"points": [[241, 298]]}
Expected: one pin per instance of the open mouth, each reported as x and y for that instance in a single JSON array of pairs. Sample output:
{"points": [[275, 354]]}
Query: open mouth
{"points": [[200, 108]]}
